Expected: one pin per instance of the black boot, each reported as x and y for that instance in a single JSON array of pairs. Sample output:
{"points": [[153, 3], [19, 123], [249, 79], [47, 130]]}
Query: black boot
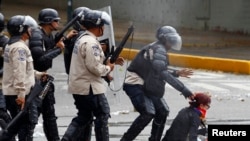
{"points": [[156, 132]]}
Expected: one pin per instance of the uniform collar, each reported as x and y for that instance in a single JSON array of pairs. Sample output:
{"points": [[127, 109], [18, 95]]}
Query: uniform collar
{"points": [[91, 34]]}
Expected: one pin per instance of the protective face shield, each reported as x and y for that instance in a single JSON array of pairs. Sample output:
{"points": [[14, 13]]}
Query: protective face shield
{"points": [[84, 10], [19, 24], [168, 36], [29, 23], [1, 22], [174, 41], [106, 19]]}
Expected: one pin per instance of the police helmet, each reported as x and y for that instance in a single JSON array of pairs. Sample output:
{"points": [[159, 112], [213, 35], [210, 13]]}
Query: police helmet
{"points": [[168, 36], [77, 11], [1, 22], [47, 16], [95, 18], [19, 24]]}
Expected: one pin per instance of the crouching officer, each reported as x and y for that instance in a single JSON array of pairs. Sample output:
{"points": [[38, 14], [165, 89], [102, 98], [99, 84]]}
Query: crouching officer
{"points": [[19, 75], [146, 88], [85, 78]]}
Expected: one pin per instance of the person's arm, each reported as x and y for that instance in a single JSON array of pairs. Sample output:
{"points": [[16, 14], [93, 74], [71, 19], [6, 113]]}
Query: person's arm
{"points": [[181, 73], [40, 56], [19, 72], [160, 63]]}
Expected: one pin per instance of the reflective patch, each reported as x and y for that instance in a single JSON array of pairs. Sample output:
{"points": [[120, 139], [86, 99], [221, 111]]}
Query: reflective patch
{"points": [[96, 50], [22, 55]]}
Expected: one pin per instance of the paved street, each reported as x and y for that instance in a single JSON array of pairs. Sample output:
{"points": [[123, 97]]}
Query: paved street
{"points": [[230, 97]]}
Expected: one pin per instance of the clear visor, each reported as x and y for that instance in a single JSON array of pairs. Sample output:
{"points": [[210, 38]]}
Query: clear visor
{"points": [[106, 18], [29, 21], [174, 41]]}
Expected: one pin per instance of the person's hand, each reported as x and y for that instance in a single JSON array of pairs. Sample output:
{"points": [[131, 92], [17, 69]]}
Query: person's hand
{"points": [[109, 77], [71, 34], [110, 64], [20, 101], [39, 74], [185, 72], [119, 61], [60, 44], [191, 97], [44, 77]]}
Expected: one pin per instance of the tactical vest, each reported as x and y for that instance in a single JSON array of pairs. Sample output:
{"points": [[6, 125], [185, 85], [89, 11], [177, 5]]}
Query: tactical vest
{"points": [[142, 65]]}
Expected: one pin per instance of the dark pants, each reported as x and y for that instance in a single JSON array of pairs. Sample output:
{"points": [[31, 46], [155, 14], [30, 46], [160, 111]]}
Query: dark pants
{"points": [[21, 127], [49, 117], [46, 107], [150, 107], [89, 106], [2, 100]]}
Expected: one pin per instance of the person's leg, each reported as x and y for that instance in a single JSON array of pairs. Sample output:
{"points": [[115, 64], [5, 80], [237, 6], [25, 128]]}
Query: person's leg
{"points": [[101, 111], [81, 121], [144, 106], [49, 117], [162, 111], [85, 133], [13, 129], [4, 117], [3, 111], [26, 130]]}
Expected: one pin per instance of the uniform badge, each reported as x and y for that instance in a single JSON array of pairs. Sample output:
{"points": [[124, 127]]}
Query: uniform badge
{"points": [[22, 55], [96, 50]]}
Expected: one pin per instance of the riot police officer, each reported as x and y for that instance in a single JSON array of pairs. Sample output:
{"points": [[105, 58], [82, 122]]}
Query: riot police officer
{"points": [[18, 76], [69, 42], [3, 41], [145, 84], [85, 78], [44, 50], [84, 132]]}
